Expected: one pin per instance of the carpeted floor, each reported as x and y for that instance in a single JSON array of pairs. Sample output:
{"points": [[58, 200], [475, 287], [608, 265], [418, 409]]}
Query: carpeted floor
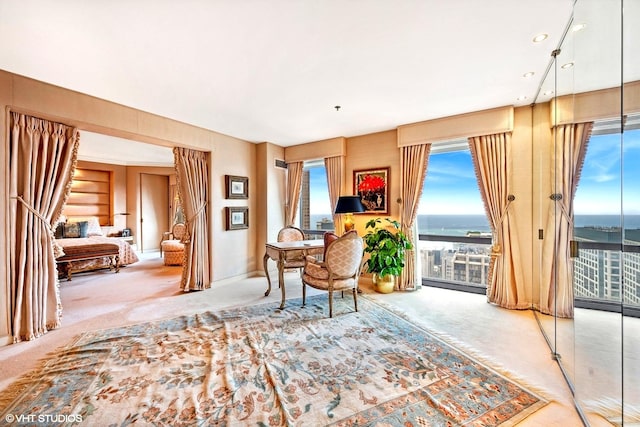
{"points": [[256, 366]]}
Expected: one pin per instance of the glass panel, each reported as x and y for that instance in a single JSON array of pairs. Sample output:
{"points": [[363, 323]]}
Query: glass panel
{"points": [[542, 122], [631, 212], [598, 215], [567, 71], [455, 243]]}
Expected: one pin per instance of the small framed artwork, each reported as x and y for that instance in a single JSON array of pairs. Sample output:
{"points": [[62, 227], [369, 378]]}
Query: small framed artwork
{"points": [[372, 185], [237, 187], [237, 218]]}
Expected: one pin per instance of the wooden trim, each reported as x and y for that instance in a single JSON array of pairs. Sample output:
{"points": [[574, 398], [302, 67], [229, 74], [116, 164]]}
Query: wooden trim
{"points": [[486, 122]]}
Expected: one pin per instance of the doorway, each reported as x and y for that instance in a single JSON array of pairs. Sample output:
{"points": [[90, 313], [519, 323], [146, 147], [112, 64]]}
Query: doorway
{"points": [[154, 210]]}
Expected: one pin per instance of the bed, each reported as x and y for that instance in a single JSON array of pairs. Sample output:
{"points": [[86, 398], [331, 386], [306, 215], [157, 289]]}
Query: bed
{"points": [[85, 248]]}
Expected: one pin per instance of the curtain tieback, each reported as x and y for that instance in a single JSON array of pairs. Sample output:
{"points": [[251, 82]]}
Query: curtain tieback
{"points": [[496, 249], [57, 249], [563, 208], [33, 211], [198, 212], [190, 219]]}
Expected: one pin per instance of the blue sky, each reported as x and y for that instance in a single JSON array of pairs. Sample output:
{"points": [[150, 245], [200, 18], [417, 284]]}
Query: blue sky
{"points": [[599, 186], [451, 188]]}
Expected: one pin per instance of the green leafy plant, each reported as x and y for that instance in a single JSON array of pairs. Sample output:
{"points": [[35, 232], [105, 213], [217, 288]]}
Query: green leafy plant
{"points": [[386, 246]]}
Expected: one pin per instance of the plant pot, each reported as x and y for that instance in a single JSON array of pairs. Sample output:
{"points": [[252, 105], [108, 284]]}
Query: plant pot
{"points": [[385, 284]]}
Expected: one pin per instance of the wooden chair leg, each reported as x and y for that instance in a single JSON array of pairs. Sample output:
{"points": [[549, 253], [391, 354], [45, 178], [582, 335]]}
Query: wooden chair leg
{"points": [[330, 304], [304, 293]]}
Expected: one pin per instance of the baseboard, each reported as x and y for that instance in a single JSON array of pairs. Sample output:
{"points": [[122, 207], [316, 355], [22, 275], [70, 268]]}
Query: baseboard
{"points": [[243, 276], [5, 340]]}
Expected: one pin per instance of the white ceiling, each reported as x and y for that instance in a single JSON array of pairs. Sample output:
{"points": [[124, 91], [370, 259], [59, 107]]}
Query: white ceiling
{"points": [[273, 70]]}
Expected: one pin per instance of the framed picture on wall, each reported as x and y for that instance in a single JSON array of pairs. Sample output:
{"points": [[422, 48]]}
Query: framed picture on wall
{"points": [[237, 187], [237, 218], [372, 185]]}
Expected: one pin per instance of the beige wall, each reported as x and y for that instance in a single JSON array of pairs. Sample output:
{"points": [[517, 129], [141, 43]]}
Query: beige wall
{"points": [[368, 152], [228, 156]]}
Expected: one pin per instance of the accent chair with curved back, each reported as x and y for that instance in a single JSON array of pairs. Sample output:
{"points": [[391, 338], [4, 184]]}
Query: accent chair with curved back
{"points": [[173, 249], [340, 269], [293, 259]]}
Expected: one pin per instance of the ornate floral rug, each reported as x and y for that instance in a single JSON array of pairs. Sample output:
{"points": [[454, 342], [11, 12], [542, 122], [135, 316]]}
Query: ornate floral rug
{"points": [[264, 367]]}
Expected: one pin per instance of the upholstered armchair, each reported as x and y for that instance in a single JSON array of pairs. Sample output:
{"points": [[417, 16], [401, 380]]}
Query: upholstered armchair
{"points": [[293, 259], [339, 271], [173, 248]]}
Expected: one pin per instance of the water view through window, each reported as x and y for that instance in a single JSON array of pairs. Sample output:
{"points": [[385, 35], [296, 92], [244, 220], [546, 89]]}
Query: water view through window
{"points": [[451, 207]]}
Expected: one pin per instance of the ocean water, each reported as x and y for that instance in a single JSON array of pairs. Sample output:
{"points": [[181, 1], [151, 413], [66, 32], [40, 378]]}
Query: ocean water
{"points": [[460, 225]]}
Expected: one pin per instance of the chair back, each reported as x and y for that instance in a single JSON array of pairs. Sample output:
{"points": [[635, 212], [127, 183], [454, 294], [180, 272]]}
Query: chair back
{"points": [[290, 234], [178, 230], [344, 255]]}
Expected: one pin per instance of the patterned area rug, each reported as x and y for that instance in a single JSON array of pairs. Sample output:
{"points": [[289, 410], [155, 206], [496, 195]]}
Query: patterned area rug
{"points": [[265, 367]]}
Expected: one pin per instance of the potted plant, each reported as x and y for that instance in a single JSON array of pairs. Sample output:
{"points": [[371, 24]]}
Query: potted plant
{"points": [[386, 247]]}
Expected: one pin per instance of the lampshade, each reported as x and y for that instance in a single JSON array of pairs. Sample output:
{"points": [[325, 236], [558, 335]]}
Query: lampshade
{"points": [[349, 204]]}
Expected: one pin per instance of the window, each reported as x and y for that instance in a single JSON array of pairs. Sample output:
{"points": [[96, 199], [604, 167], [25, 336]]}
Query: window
{"points": [[315, 205], [607, 210], [451, 207]]}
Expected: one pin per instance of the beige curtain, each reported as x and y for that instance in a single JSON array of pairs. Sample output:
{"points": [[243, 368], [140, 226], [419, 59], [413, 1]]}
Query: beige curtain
{"points": [[335, 167], [491, 160], [294, 185], [413, 170], [192, 176], [42, 162], [556, 293]]}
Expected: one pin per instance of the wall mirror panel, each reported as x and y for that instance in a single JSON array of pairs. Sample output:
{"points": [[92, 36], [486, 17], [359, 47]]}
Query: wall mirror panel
{"points": [[594, 78], [597, 266], [557, 84], [631, 213]]}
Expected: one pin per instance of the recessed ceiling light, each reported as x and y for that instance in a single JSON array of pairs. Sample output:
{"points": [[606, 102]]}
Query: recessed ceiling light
{"points": [[529, 74], [521, 98], [578, 27], [540, 37], [567, 65]]}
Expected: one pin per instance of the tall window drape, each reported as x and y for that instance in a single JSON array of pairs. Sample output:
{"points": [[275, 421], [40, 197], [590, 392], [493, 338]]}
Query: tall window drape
{"points": [[192, 176], [43, 158], [413, 170], [334, 167], [294, 186], [556, 290], [492, 163]]}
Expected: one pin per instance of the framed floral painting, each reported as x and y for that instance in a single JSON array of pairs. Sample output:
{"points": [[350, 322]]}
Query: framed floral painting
{"points": [[372, 187]]}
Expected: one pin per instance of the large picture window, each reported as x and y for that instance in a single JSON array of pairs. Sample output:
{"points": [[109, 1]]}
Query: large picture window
{"points": [[605, 217], [315, 206], [451, 207]]}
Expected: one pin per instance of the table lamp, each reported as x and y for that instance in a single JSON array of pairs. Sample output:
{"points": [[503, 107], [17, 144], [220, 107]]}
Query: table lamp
{"points": [[349, 205]]}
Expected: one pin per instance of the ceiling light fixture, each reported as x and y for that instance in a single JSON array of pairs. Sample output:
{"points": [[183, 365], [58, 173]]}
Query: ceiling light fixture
{"points": [[578, 27], [567, 65], [540, 37], [529, 74]]}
